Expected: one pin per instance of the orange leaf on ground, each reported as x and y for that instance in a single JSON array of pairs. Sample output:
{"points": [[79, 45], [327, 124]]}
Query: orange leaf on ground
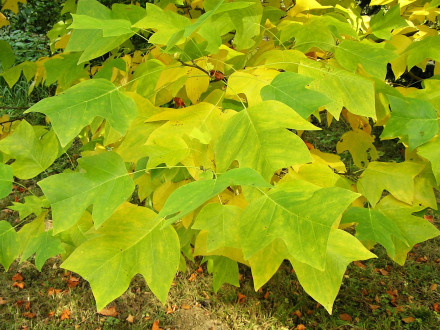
{"points": [[19, 285], [185, 306], [400, 308], [422, 259], [382, 271], [436, 307], [266, 295], [408, 319], [130, 318], [155, 325], [2, 301], [193, 277], [111, 311], [301, 327], [200, 270], [171, 310], [72, 282], [359, 264], [65, 315], [28, 306], [20, 302], [52, 291], [345, 317], [17, 277], [50, 314], [241, 298], [28, 315], [297, 313], [374, 307], [433, 287]]}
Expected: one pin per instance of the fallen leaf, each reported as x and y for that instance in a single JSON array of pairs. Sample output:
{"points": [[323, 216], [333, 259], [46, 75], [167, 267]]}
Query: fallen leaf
{"points": [[19, 285], [20, 302], [241, 298], [266, 295], [309, 312], [185, 306], [409, 319], [359, 264], [50, 314], [199, 270], [301, 327], [374, 307], [433, 287], [436, 307], [28, 306], [130, 318], [65, 315], [2, 301], [72, 282], [383, 272], [179, 103], [17, 277], [438, 261], [297, 313], [193, 277], [28, 315], [400, 308], [111, 311], [52, 291], [207, 297], [422, 259], [364, 292], [155, 325], [171, 310], [345, 317]]}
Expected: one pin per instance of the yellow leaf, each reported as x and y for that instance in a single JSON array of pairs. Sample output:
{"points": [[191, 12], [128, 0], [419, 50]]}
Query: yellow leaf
{"points": [[305, 6], [197, 83], [331, 160], [12, 5], [400, 43], [3, 20], [360, 145]]}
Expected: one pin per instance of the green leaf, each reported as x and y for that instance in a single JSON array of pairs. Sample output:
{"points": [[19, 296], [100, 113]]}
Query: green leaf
{"points": [[76, 108], [105, 184], [64, 69], [396, 178], [12, 74], [428, 48], [257, 138], [346, 89], [224, 270], [7, 57], [431, 151], [33, 148], [360, 145], [373, 57], [414, 120], [372, 225], [291, 89], [187, 198], [9, 244], [44, 246], [298, 213], [130, 242], [6, 179], [323, 285], [382, 24], [414, 229], [109, 27], [32, 204], [221, 223]]}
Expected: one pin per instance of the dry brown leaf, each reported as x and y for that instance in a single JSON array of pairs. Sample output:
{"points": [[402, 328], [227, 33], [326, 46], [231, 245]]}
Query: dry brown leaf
{"points": [[155, 325], [241, 298], [184, 306], [19, 285], [72, 281], [207, 297], [130, 318], [383, 272], [193, 277], [374, 307], [20, 302], [52, 291], [65, 315], [266, 295], [28, 315], [345, 317], [199, 270], [408, 319], [359, 264], [433, 287], [436, 307], [28, 306], [400, 308], [50, 314], [297, 313], [309, 312], [17, 277], [2, 301], [422, 259], [111, 311], [301, 327]]}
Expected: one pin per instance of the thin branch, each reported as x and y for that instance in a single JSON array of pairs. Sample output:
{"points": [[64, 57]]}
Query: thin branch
{"points": [[195, 66]]}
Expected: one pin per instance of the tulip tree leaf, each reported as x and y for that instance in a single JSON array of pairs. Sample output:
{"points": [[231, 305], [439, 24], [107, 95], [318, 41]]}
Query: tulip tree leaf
{"points": [[431, 151], [382, 24], [257, 138], [132, 242], [427, 48], [32, 204], [396, 178], [360, 145], [105, 184], [9, 244], [6, 179], [224, 270], [76, 108], [33, 148], [300, 215], [414, 120], [291, 89]]}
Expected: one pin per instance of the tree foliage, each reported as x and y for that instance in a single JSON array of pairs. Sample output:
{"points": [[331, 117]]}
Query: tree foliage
{"points": [[194, 145]]}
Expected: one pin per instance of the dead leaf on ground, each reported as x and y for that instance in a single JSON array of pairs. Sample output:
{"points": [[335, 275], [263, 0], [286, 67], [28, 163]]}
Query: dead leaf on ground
{"points": [[266, 295], [19, 285], [199, 270], [65, 315], [408, 319], [20, 302], [28, 315], [52, 291], [297, 313], [51, 313], [301, 327], [374, 307], [429, 217], [155, 325], [72, 281], [130, 318], [359, 264], [111, 311], [171, 310], [382, 271], [422, 259], [17, 277], [2, 301], [28, 306], [433, 287], [184, 306], [241, 298], [400, 308], [345, 317], [193, 277], [436, 307]]}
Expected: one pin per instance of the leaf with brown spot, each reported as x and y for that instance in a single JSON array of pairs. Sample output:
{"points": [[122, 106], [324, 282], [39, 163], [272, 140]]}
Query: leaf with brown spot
{"points": [[19, 285], [428, 217], [345, 317], [130, 318], [29, 315], [184, 306], [408, 319], [241, 298], [65, 315], [17, 277], [111, 311]]}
